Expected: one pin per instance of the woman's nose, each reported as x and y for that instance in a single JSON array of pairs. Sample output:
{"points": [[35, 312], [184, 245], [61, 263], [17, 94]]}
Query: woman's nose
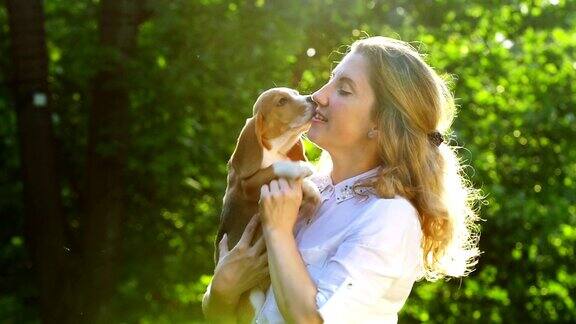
{"points": [[319, 97]]}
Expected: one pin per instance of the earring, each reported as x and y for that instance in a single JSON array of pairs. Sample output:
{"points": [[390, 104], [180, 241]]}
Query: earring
{"points": [[372, 133]]}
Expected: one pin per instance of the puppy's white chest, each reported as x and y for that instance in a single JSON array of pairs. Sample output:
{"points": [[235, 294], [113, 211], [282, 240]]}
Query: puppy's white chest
{"points": [[269, 157], [272, 155]]}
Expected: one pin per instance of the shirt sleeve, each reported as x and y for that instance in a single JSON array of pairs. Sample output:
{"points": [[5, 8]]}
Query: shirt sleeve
{"points": [[380, 248]]}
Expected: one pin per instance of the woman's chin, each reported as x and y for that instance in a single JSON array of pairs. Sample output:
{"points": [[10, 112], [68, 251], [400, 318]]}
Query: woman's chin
{"points": [[312, 134]]}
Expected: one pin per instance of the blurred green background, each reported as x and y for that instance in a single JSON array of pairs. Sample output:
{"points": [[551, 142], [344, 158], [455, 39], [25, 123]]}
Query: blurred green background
{"points": [[186, 74]]}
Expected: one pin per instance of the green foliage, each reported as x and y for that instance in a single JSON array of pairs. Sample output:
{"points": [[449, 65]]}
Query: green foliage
{"points": [[197, 71]]}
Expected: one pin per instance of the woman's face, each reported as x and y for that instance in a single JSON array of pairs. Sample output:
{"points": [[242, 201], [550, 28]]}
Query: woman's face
{"points": [[345, 103]]}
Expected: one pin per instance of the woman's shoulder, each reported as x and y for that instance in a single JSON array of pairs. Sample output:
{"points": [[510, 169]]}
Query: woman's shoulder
{"points": [[387, 217], [391, 209]]}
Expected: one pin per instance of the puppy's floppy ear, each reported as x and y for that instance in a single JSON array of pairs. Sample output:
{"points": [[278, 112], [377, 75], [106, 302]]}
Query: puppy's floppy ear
{"points": [[260, 132], [247, 157], [296, 153]]}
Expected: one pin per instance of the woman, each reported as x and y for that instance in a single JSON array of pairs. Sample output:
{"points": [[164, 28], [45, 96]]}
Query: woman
{"points": [[394, 205]]}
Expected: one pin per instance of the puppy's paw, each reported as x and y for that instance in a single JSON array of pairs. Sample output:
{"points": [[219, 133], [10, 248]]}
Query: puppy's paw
{"points": [[292, 169], [311, 200]]}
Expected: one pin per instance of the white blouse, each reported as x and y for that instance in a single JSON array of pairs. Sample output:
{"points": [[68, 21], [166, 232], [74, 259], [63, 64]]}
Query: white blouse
{"points": [[363, 253]]}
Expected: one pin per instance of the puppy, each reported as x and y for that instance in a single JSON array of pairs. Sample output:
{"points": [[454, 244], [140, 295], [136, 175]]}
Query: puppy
{"points": [[268, 147]]}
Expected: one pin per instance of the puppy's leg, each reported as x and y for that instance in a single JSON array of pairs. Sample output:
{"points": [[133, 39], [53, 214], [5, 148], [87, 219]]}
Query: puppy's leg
{"points": [[251, 186], [298, 170], [310, 191], [281, 169], [311, 198]]}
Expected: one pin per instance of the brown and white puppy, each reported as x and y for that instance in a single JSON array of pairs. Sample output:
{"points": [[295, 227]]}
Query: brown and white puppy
{"points": [[269, 147]]}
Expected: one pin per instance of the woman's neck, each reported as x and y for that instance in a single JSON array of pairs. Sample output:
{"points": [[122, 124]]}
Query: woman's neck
{"points": [[348, 165]]}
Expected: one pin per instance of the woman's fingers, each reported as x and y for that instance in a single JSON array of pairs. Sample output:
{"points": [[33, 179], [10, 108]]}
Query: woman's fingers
{"points": [[262, 260], [274, 186], [249, 232], [264, 192], [295, 184], [283, 184], [264, 276], [223, 246], [289, 185], [264, 272], [260, 246]]}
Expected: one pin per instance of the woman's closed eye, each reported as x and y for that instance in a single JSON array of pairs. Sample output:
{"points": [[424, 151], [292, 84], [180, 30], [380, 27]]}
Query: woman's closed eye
{"points": [[343, 92]]}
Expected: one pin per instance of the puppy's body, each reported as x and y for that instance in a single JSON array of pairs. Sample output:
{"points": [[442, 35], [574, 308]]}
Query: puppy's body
{"points": [[239, 204], [268, 147]]}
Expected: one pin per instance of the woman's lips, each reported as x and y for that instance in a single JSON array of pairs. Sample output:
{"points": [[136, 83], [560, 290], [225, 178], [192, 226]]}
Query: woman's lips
{"points": [[318, 117]]}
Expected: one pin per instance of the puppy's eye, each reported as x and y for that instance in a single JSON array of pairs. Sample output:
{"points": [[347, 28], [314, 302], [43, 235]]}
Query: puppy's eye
{"points": [[282, 101]]}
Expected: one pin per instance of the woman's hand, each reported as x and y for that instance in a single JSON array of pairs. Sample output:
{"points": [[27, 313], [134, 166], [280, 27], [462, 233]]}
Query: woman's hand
{"points": [[241, 268], [279, 204]]}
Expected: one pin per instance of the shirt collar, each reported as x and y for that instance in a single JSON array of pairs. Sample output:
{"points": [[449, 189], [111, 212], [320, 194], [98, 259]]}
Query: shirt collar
{"points": [[343, 190]]}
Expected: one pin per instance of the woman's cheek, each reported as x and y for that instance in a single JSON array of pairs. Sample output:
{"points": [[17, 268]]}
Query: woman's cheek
{"points": [[347, 134], [314, 133]]}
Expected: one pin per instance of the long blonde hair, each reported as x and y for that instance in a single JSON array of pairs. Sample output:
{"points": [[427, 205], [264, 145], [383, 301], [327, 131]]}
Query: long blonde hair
{"points": [[413, 101]]}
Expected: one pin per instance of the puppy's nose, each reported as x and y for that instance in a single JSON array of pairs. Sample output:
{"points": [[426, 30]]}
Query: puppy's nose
{"points": [[310, 100]]}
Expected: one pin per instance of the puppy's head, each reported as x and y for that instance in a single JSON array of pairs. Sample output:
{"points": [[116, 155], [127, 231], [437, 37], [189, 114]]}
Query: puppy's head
{"points": [[282, 115]]}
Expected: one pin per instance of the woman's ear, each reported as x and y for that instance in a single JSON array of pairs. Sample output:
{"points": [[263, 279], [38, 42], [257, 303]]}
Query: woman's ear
{"points": [[296, 153], [372, 133]]}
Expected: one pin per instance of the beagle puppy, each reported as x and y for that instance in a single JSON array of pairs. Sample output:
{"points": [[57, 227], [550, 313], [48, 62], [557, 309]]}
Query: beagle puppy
{"points": [[269, 147]]}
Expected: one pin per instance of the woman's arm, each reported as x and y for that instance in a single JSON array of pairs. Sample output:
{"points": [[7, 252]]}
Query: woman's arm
{"points": [[294, 290], [237, 271], [218, 307]]}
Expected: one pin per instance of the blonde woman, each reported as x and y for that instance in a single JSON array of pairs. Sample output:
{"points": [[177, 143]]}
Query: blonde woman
{"points": [[395, 207]]}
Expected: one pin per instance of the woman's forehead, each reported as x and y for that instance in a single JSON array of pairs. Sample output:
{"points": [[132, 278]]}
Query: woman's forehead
{"points": [[352, 66]]}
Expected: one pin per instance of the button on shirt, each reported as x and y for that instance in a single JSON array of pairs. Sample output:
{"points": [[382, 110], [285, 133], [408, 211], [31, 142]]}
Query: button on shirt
{"points": [[362, 252]]}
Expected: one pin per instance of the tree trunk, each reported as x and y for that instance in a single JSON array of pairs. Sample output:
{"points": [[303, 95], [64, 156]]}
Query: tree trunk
{"points": [[44, 221], [106, 157]]}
